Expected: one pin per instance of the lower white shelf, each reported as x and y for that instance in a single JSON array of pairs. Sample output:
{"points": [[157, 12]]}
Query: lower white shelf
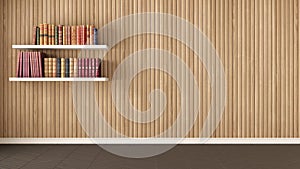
{"points": [[58, 79]]}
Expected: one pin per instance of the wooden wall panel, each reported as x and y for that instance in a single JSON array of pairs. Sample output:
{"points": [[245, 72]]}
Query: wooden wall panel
{"points": [[257, 42]]}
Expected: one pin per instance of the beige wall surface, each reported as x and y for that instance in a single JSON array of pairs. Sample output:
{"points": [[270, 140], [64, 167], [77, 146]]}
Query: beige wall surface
{"points": [[257, 42]]}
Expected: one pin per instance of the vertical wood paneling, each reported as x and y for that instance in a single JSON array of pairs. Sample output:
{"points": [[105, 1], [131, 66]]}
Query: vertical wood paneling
{"points": [[257, 42]]}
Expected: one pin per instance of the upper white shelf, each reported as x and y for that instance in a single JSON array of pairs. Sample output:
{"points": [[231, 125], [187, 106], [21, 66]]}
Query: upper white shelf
{"points": [[87, 47]]}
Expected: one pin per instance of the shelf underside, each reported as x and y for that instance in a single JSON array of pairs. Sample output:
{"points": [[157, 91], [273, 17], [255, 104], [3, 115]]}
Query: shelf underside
{"points": [[82, 47], [58, 79]]}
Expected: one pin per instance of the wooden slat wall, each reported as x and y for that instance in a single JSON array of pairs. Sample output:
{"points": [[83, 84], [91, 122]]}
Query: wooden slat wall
{"points": [[257, 41]]}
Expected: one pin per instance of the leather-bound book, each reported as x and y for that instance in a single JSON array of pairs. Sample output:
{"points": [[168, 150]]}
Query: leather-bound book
{"points": [[63, 67], [75, 67], [41, 34]]}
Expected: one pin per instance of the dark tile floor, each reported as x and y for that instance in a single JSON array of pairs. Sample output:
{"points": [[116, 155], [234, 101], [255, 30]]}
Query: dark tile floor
{"points": [[181, 157]]}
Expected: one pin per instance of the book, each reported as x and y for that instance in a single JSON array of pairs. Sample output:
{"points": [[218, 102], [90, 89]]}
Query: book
{"points": [[64, 35], [86, 68], [71, 67], [37, 36], [78, 35], [92, 27], [56, 35], [87, 35], [67, 67], [58, 67], [34, 35], [97, 67], [60, 34], [62, 67], [83, 35], [40, 64], [73, 35], [75, 67], [90, 68], [45, 34], [53, 67], [50, 67], [95, 36], [19, 65], [79, 67], [41, 34], [49, 35]]}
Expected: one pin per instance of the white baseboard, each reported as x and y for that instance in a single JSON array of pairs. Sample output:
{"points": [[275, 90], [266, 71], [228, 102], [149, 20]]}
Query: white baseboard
{"points": [[149, 141]]}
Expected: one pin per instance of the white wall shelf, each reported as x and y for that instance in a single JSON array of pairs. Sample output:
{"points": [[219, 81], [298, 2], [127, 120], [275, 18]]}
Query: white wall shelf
{"points": [[57, 79], [74, 47]]}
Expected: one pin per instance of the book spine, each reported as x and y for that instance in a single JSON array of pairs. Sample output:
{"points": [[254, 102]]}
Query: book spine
{"points": [[27, 64], [21, 64], [34, 67], [67, 60], [73, 35], [60, 34], [46, 34], [55, 35], [92, 34], [79, 67], [82, 67], [90, 60], [30, 74], [54, 67], [86, 69], [87, 35], [63, 68], [40, 64], [95, 36], [78, 35], [83, 32], [52, 34], [37, 36], [98, 67], [46, 66], [75, 67], [93, 74], [58, 67], [71, 67], [18, 65], [34, 35], [41, 34], [64, 35], [50, 68], [49, 34]]}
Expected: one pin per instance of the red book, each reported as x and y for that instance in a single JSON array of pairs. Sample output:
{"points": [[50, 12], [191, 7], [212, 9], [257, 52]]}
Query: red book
{"points": [[18, 65], [86, 70], [34, 64], [25, 64], [30, 64], [21, 65], [93, 67], [97, 67], [90, 60], [78, 35], [40, 64]]}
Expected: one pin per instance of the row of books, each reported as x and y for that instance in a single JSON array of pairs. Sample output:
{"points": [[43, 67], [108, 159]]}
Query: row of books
{"points": [[29, 64], [50, 34], [72, 67], [37, 64]]}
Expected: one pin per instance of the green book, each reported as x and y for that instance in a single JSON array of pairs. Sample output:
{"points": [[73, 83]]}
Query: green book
{"points": [[38, 36], [55, 35]]}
